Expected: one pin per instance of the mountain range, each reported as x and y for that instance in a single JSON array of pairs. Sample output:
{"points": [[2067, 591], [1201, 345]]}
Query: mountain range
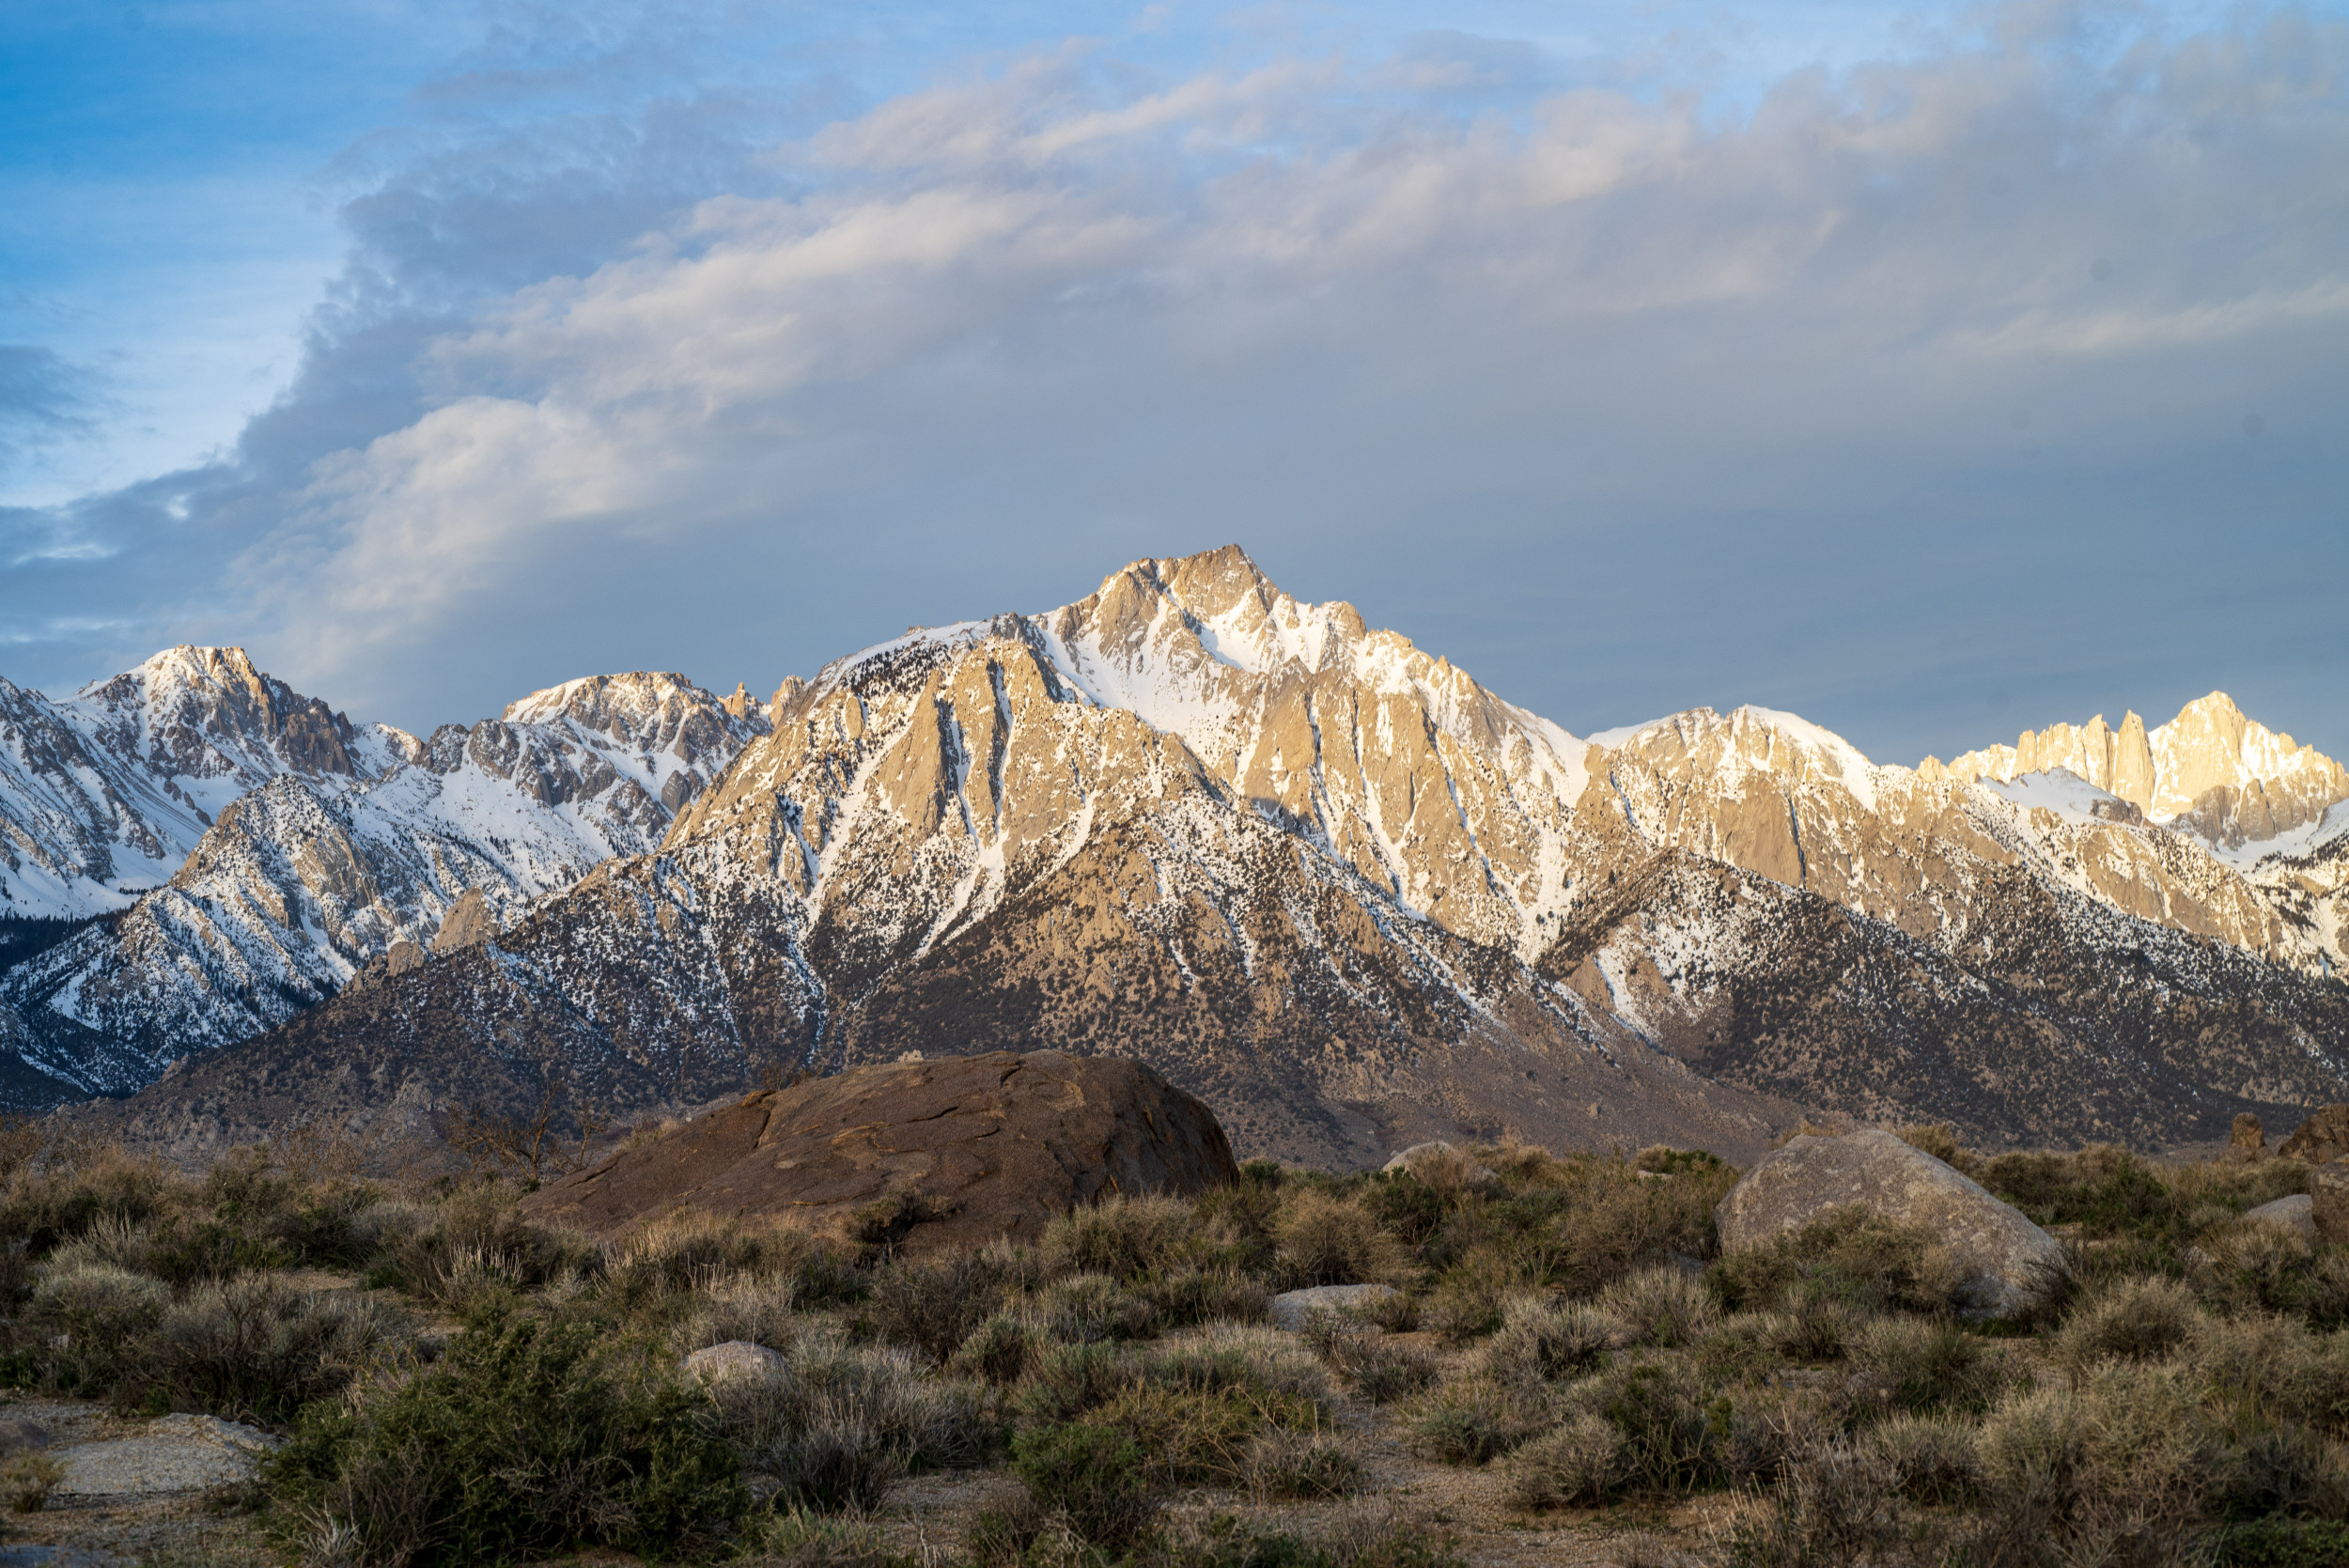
{"points": [[1314, 874]]}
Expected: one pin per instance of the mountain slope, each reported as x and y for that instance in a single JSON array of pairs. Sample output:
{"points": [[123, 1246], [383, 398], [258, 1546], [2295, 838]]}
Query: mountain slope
{"points": [[1337, 888], [103, 794], [297, 885]]}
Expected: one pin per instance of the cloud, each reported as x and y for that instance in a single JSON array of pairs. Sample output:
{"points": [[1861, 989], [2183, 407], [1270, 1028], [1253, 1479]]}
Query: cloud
{"points": [[44, 399], [1624, 402]]}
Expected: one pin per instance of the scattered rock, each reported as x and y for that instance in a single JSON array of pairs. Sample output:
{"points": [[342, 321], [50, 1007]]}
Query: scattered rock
{"points": [[2328, 1201], [928, 1155], [2322, 1139], [1290, 1307], [2013, 1260], [174, 1454], [21, 1437], [2295, 1213], [2247, 1143], [734, 1361]]}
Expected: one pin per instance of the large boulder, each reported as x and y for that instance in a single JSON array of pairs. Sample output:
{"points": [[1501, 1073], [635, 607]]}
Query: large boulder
{"points": [[2322, 1139], [927, 1155], [2011, 1261]]}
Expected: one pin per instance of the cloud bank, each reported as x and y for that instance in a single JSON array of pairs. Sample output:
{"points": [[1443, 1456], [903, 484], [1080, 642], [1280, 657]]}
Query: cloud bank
{"points": [[1983, 386]]}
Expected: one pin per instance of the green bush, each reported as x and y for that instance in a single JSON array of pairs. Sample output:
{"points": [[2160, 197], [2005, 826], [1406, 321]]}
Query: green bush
{"points": [[1089, 1476], [2281, 1544], [533, 1435], [1125, 1238]]}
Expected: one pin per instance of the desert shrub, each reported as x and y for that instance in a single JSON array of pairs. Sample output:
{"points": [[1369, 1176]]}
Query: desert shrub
{"points": [[1192, 1295], [1286, 1464], [1580, 1460], [2135, 1320], [1939, 1140], [2264, 1267], [66, 1186], [1850, 1253], [27, 1479], [1813, 1327], [90, 1321], [256, 1346], [1927, 1364], [932, 1305], [1472, 1298], [1836, 1503], [796, 1538], [1090, 1476], [755, 1308], [1240, 1355], [1674, 1427], [1473, 1418], [1000, 1351], [681, 1251], [1665, 1307], [2284, 1470], [1084, 1309], [533, 1433], [1406, 1207], [1774, 1427], [480, 1248], [2121, 1468], [2280, 1544], [1379, 1371], [1125, 1238], [1071, 1379], [1325, 1239], [1926, 1458], [841, 1424], [1185, 1435], [1549, 1342]]}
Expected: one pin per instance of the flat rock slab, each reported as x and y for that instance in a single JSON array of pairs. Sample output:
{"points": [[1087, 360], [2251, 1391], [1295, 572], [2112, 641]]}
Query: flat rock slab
{"points": [[58, 1557], [1290, 1307], [174, 1454], [2011, 1261], [2296, 1214], [927, 1156]]}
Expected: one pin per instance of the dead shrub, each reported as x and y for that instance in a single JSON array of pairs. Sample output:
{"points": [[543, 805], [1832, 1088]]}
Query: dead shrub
{"points": [[27, 1479], [255, 1345], [1086, 1307], [1473, 1418], [758, 1309]]}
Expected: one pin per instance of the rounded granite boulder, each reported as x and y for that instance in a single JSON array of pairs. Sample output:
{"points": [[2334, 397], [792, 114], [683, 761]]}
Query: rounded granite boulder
{"points": [[2011, 1262], [921, 1154]]}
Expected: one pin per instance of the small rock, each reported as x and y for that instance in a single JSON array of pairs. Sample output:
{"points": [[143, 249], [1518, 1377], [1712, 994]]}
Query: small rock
{"points": [[2328, 1201], [2013, 1260], [2295, 1213], [1290, 1307], [21, 1437], [734, 1361]]}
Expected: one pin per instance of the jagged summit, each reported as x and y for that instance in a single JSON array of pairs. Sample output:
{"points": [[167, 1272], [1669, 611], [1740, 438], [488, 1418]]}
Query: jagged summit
{"points": [[2212, 771]]}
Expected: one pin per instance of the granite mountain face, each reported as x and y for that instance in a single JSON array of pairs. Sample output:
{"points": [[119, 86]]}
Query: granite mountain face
{"points": [[376, 850], [1333, 885]]}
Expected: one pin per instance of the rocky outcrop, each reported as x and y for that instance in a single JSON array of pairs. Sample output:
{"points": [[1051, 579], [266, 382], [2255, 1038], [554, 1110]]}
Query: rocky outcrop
{"points": [[2212, 771], [2011, 1262], [2322, 1137], [922, 1156]]}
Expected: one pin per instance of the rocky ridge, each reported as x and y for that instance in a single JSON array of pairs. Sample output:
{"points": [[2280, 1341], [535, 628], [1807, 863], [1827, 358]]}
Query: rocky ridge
{"points": [[298, 886], [1349, 897]]}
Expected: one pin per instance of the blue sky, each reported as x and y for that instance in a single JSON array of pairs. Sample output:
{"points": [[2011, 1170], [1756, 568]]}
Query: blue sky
{"points": [[1932, 373]]}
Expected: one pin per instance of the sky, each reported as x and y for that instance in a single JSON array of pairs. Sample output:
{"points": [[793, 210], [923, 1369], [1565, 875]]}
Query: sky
{"points": [[1932, 371]]}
